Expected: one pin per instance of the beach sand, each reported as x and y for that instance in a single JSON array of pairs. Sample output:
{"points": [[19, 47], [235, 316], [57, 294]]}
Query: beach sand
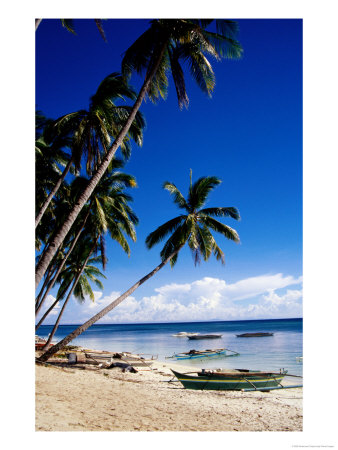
{"points": [[70, 399]]}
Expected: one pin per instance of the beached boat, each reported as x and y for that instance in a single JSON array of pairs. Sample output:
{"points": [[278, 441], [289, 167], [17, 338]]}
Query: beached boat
{"points": [[254, 334], [205, 336], [195, 354], [40, 343], [184, 334], [233, 380]]}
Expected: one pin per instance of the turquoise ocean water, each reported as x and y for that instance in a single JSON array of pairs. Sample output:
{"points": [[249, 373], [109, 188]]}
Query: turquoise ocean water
{"points": [[261, 353]]}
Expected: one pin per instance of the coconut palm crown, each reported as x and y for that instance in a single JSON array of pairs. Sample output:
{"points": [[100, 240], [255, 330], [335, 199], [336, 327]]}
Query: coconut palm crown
{"points": [[185, 43], [94, 129], [194, 226]]}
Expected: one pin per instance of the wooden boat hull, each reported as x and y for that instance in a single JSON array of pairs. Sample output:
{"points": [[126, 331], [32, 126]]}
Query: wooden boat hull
{"points": [[230, 382], [40, 345], [205, 336]]}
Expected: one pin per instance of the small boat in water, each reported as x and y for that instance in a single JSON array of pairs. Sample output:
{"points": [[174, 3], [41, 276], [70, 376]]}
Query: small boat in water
{"points": [[254, 334], [195, 354], [206, 336], [184, 334], [233, 380]]}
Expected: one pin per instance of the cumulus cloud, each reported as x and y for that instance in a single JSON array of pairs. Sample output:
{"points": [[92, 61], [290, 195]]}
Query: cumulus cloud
{"points": [[264, 296]]}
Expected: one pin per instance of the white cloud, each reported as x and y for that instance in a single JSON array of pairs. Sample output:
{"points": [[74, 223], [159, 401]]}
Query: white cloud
{"points": [[258, 297]]}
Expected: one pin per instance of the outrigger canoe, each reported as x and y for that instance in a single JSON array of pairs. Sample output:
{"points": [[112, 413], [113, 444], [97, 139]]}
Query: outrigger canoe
{"points": [[194, 354], [234, 380]]}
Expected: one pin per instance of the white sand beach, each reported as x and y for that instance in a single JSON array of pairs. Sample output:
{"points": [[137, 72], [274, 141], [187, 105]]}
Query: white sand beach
{"points": [[93, 399]]}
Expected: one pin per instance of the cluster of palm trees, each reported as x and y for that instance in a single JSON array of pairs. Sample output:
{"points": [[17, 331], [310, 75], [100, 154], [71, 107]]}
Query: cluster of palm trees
{"points": [[79, 205]]}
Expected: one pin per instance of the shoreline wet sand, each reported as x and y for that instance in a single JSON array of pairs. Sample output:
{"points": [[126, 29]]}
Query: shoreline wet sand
{"points": [[90, 398]]}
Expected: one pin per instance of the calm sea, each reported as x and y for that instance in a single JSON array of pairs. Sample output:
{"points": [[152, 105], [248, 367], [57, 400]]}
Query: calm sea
{"points": [[261, 353]]}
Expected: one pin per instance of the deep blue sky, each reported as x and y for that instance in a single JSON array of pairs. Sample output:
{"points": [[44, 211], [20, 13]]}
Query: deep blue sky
{"points": [[249, 134]]}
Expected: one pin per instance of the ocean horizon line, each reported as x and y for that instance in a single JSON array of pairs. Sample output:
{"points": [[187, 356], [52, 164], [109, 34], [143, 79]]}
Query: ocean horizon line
{"points": [[182, 322]]}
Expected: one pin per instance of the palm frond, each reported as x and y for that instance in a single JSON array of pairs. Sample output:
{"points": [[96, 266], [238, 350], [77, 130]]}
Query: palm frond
{"points": [[158, 87], [178, 77], [178, 197], [221, 228], [200, 68], [139, 54], [112, 87], [200, 191], [91, 270], [218, 253], [221, 212], [205, 241], [225, 46], [174, 243], [100, 28], [194, 244], [100, 215], [117, 235], [68, 24], [103, 251], [162, 231]]}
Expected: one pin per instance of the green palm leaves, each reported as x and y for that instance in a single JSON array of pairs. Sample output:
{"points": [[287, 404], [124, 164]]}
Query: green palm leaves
{"points": [[94, 130], [187, 44], [196, 225], [89, 274]]}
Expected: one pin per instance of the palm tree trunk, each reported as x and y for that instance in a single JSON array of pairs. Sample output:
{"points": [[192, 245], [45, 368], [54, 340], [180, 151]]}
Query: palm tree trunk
{"points": [[63, 262], [49, 310], [48, 277], [62, 232], [37, 23], [52, 193], [104, 311], [69, 295]]}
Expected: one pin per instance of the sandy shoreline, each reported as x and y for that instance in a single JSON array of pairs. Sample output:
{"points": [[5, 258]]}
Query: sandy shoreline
{"points": [[70, 399]]}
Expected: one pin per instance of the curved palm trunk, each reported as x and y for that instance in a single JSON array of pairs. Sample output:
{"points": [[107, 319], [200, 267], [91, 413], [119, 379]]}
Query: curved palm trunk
{"points": [[69, 295], [52, 193], [62, 263], [104, 311], [61, 234], [49, 310]]}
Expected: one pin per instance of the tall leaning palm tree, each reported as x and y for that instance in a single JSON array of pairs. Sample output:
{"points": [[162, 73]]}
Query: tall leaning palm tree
{"points": [[158, 51], [193, 227]]}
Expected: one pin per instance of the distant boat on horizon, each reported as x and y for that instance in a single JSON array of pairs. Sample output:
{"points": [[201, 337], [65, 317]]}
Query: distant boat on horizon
{"points": [[254, 334], [184, 334], [206, 336]]}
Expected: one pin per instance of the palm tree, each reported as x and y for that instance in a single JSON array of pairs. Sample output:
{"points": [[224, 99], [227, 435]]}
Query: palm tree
{"points": [[92, 130], [53, 274], [155, 52], [193, 227], [80, 272], [108, 211]]}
